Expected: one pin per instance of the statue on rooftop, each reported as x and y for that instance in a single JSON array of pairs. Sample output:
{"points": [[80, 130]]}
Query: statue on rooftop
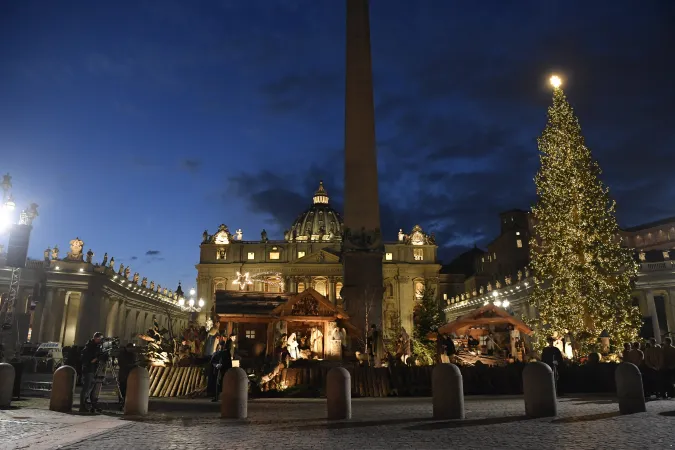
{"points": [[205, 236], [144, 282], [240, 234], [152, 285], [105, 259], [90, 256], [47, 253], [127, 271], [75, 253], [55, 252], [121, 271], [263, 236], [136, 277]]}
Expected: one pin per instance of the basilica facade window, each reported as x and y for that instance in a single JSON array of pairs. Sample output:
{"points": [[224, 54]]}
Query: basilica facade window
{"points": [[321, 286], [301, 255], [301, 287], [251, 255], [274, 255], [389, 256], [418, 254], [221, 254]]}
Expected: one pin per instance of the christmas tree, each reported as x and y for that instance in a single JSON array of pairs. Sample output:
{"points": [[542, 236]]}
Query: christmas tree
{"points": [[583, 274], [428, 316]]}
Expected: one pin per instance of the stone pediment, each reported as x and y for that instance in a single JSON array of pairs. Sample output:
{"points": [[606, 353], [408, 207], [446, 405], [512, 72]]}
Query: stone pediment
{"points": [[309, 303], [320, 257]]}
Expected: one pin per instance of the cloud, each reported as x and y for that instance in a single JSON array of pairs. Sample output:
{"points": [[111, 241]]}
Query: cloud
{"points": [[152, 252], [191, 165], [133, 258]]}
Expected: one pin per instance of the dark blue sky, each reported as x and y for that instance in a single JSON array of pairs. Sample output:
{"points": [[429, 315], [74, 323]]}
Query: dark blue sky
{"points": [[135, 125]]}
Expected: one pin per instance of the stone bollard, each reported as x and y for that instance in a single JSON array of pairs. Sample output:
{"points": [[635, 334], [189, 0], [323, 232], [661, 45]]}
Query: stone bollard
{"points": [[629, 389], [234, 398], [339, 394], [138, 392], [63, 389], [6, 384], [448, 392], [539, 390]]}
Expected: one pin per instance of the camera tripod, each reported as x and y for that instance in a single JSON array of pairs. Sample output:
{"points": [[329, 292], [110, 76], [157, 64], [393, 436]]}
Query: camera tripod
{"points": [[101, 378]]}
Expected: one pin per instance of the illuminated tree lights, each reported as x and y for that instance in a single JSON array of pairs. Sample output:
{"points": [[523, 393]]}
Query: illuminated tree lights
{"points": [[575, 248]]}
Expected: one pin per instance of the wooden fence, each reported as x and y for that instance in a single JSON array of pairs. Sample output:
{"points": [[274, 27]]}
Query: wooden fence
{"points": [[366, 381], [174, 381]]}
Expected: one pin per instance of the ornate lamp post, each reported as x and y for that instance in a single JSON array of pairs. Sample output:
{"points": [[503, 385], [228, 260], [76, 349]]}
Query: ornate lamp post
{"points": [[190, 306], [17, 252]]}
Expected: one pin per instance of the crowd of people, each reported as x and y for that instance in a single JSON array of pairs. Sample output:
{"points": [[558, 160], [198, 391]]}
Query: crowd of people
{"points": [[657, 364]]}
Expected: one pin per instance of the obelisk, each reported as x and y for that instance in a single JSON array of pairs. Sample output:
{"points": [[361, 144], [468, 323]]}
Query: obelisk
{"points": [[362, 242]]}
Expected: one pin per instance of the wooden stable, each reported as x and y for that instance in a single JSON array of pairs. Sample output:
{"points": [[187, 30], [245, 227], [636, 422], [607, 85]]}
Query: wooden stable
{"points": [[261, 319], [488, 315]]}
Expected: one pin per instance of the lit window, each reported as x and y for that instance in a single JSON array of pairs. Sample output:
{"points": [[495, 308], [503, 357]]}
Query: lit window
{"points": [[517, 233], [445, 296], [494, 256], [301, 287], [418, 253], [482, 259], [519, 243], [301, 254], [338, 289], [251, 255], [274, 255], [250, 334], [221, 253], [388, 256]]}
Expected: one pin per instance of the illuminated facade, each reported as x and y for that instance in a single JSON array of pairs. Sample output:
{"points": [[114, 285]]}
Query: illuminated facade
{"points": [[68, 299], [309, 256]]}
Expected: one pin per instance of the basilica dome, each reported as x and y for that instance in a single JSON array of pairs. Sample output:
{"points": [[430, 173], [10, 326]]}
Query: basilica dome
{"points": [[318, 223]]}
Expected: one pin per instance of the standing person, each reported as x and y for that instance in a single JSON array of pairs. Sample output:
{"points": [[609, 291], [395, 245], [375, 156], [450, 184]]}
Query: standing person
{"points": [[222, 361], [490, 344], [449, 346], [126, 361], [552, 356], [90, 357], [636, 356], [625, 354], [653, 366], [668, 369], [376, 345]]}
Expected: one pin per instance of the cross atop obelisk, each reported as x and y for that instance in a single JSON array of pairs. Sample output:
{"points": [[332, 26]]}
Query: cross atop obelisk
{"points": [[362, 243]]}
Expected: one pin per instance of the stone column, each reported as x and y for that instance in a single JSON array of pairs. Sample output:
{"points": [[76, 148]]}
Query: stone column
{"points": [[651, 308], [88, 317], [58, 312], [46, 318], [331, 290], [37, 321], [670, 310], [205, 291]]}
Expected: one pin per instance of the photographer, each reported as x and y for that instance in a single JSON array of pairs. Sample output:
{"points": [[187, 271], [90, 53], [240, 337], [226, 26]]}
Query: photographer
{"points": [[90, 359]]}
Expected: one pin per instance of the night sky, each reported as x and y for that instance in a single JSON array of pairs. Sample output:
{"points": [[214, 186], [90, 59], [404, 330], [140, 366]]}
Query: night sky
{"points": [[135, 125]]}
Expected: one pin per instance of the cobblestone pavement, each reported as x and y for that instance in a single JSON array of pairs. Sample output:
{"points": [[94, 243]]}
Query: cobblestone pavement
{"points": [[29, 424], [491, 423]]}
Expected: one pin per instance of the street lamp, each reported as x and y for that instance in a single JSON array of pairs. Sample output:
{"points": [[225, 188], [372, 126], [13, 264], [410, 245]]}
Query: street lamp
{"points": [[190, 307]]}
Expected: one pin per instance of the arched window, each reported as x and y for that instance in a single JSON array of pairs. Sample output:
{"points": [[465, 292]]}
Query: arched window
{"points": [[321, 286], [301, 286], [338, 289], [389, 290]]}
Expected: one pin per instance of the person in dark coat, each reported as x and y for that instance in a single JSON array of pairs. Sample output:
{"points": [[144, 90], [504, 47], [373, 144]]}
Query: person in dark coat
{"points": [[90, 357], [552, 356], [126, 361], [221, 362]]}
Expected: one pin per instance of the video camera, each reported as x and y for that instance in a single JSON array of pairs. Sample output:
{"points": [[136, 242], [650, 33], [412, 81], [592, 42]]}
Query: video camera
{"points": [[109, 347]]}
